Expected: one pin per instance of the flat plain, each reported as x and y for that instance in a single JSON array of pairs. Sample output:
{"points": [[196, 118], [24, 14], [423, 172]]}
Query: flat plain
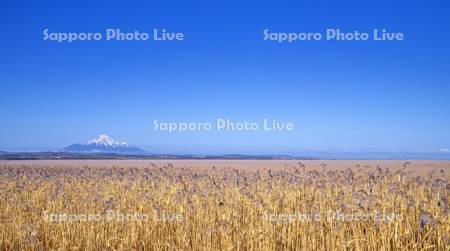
{"points": [[224, 205]]}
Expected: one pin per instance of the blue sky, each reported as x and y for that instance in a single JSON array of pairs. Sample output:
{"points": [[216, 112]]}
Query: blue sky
{"points": [[339, 94]]}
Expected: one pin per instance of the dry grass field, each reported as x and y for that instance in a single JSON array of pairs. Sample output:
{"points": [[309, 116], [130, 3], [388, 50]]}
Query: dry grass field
{"points": [[224, 205]]}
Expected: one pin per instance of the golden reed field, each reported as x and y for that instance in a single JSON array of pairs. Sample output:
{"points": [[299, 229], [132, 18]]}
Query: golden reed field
{"points": [[224, 205]]}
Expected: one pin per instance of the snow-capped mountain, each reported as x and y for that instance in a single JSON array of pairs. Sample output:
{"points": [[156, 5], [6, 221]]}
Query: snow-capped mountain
{"points": [[103, 144], [105, 140]]}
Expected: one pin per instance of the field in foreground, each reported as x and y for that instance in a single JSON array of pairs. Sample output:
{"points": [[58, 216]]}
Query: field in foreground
{"points": [[224, 205]]}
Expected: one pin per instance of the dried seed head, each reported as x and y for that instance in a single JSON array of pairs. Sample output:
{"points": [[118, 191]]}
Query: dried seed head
{"points": [[426, 219]]}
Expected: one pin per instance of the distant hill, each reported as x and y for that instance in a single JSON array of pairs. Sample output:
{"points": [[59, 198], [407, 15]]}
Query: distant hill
{"points": [[103, 144], [97, 155]]}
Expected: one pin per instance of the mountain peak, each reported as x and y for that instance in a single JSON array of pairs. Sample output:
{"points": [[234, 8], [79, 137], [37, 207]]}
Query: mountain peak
{"points": [[104, 144], [105, 140]]}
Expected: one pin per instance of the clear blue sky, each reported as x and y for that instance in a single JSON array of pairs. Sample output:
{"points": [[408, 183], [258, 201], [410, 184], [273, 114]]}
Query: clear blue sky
{"points": [[339, 94]]}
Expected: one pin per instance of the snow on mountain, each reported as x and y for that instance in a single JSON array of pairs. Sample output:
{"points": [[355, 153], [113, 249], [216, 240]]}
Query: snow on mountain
{"points": [[105, 140], [103, 144]]}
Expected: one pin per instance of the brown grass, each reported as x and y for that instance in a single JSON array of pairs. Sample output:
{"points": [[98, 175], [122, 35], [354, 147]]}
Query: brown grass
{"points": [[225, 205]]}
